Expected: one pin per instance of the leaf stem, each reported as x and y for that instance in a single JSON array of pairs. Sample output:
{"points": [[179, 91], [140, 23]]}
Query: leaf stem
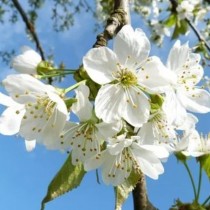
{"points": [[74, 86], [206, 201], [191, 177], [199, 184]]}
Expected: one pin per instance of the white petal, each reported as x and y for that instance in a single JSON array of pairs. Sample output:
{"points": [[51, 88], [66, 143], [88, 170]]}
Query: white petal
{"points": [[136, 108], [29, 88], [109, 103], [53, 129], [197, 100], [177, 56], [151, 170], [100, 63], [95, 161], [27, 62], [176, 113], [7, 101], [158, 151], [109, 129], [189, 122], [83, 107], [10, 120], [131, 46], [33, 123], [154, 76], [146, 133], [30, 145]]}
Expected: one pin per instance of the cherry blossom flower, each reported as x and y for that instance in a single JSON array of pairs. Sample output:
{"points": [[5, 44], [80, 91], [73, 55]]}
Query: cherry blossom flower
{"points": [[86, 137], [184, 94], [185, 9], [35, 110], [126, 74], [158, 130], [197, 145], [125, 154], [27, 62]]}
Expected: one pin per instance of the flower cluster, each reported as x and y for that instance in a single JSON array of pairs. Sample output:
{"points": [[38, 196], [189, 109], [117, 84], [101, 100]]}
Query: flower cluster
{"points": [[134, 121]]}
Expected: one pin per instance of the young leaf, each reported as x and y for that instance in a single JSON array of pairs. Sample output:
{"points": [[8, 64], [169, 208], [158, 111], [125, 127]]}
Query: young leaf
{"points": [[122, 191], [205, 163], [180, 28], [68, 178], [170, 21]]}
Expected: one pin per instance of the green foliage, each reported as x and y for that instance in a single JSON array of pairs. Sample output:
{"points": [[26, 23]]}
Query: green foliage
{"points": [[187, 206], [80, 75], [171, 20], [181, 27], [68, 178], [122, 191], [156, 102], [205, 163]]}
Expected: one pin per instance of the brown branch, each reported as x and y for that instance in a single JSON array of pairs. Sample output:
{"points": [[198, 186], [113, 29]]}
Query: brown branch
{"points": [[174, 5], [29, 26], [117, 19], [140, 198]]}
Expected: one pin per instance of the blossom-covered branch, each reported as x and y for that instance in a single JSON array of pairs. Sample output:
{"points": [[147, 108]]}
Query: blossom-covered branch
{"points": [[174, 4]]}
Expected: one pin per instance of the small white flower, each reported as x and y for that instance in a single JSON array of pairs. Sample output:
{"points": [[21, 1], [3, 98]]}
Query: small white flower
{"points": [[124, 73], [86, 137], [124, 155], [184, 94], [198, 145], [40, 112], [158, 130], [185, 9], [26, 62]]}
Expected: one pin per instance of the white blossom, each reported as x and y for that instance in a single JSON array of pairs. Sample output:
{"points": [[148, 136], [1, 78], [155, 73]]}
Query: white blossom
{"points": [[124, 154], [27, 62], [86, 137], [184, 94], [35, 110], [124, 73], [198, 145]]}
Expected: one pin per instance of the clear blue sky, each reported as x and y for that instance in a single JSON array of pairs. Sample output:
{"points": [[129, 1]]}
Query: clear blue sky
{"points": [[24, 177]]}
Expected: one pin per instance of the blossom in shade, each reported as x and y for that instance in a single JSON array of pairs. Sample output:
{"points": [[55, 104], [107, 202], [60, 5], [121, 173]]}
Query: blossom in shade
{"points": [[86, 137], [124, 154]]}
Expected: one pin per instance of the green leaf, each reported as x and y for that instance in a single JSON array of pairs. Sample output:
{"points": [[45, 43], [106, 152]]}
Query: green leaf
{"points": [[122, 191], [170, 21], [68, 178], [156, 102], [180, 28], [205, 163]]}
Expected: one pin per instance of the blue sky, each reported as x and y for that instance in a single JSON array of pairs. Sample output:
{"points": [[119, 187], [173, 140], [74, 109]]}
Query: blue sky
{"points": [[24, 176]]}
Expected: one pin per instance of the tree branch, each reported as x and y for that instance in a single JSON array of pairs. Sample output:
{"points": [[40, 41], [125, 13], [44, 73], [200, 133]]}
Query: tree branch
{"points": [[140, 198], [29, 26], [119, 17]]}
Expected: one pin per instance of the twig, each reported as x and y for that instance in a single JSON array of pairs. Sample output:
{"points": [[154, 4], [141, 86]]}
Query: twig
{"points": [[117, 19], [29, 26], [198, 34]]}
